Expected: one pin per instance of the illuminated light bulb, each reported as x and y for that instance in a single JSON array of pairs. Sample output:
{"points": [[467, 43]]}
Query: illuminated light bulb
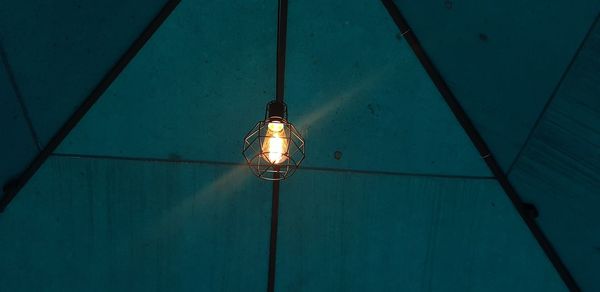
{"points": [[276, 143], [274, 148]]}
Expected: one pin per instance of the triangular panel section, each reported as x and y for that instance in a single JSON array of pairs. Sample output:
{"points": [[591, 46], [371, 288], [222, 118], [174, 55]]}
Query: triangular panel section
{"points": [[353, 87]]}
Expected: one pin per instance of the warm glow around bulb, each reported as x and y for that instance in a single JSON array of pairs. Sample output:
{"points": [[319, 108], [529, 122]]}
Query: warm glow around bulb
{"points": [[275, 144]]}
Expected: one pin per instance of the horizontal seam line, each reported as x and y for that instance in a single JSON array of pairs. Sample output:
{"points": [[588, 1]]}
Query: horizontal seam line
{"points": [[146, 159], [329, 169], [392, 173]]}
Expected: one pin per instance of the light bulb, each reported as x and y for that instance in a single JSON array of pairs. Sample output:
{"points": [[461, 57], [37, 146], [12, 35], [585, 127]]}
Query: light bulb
{"points": [[275, 144]]}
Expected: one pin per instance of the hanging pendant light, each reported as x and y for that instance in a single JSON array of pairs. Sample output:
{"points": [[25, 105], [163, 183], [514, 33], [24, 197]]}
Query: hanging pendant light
{"points": [[274, 149]]}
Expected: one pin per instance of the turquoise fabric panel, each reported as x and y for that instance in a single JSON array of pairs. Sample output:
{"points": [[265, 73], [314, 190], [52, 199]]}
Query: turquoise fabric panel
{"points": [[352, 86], [105, 225], [349, 232], [17, 146], [502, 60], [60, 50], [193, 92], [559, 169]]}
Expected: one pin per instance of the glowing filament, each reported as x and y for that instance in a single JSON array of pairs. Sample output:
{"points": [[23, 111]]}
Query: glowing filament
{"points": [[276, 144]]}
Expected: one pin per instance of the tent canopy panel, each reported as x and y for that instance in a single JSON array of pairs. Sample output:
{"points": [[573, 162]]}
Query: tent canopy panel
{"points": [[194, 90], [502, 60], [355, 87], [113, 225], [352, 86], [60, 50], [56, 53], [18, 146], [357, 232], [559, 169]]}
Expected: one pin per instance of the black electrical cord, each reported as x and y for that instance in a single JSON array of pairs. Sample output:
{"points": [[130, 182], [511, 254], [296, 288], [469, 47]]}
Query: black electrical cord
{"points": [[279, 92], [281, 44]]}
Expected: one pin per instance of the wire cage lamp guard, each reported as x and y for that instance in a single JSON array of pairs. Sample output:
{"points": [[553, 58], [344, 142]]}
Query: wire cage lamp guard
{"points": [[282, 162]]}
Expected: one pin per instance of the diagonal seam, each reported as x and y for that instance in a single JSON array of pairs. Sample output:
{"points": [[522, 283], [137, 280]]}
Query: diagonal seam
{"points": [[13, 187], [20, 100], [552, 96], [481, 146]]}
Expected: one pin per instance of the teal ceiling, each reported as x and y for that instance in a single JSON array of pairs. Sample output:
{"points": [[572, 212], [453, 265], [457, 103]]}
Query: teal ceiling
{"points": [[148, 192], [193, 91], [56, 53], [352, 86], [18, 143], [351, 232], [502, 60], [105, 225], [61, 50], [559, 168], [526, 74]]}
